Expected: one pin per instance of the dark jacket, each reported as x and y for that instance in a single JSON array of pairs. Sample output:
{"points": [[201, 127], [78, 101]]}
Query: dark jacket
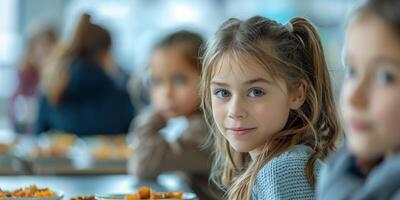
{"points": [[91, 104]]}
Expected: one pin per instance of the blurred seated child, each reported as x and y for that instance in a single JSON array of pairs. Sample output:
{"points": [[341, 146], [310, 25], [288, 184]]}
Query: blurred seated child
{"points": [[23, 102], [79, 94], [368, 167], [174, 69]]}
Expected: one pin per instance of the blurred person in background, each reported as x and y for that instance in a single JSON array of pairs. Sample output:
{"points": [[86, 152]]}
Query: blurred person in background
{"points": [[23, 101], [368, 166], [175, 70], [80, 95]]}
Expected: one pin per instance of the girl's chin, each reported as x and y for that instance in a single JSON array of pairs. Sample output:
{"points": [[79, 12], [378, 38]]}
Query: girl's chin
{"points": [[364, 153], [241, 148], [170, 114]]}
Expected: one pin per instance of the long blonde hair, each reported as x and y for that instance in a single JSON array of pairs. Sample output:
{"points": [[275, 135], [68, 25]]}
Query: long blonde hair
{"points": [[88, 42], [294, 53]]}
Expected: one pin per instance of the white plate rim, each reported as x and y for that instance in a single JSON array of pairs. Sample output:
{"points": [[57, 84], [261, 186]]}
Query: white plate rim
{"points": [[189, 196]]}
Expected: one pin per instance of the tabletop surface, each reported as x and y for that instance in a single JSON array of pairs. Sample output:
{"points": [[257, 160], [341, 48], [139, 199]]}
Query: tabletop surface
{"points": [[72, 186]]}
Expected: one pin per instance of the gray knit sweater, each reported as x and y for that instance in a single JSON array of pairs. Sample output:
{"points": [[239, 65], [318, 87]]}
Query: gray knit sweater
{"points": [[284, 177]]}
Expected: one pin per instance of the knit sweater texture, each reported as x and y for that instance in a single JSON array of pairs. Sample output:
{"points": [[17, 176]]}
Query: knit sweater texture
{"points": [[284, 177]]}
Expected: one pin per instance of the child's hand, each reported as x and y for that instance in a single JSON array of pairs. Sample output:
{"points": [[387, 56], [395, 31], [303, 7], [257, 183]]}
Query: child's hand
{"points": [[149, 121], [157, 120]]}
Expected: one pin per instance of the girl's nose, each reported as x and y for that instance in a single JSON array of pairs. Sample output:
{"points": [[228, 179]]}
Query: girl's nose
{"points": [[358, 97], [236, 109], [167, 90]]}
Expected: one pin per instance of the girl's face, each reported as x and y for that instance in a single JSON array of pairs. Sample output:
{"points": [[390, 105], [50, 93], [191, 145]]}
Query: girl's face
{"points": [[248, 106], [370, 98], [41, 49], [174, 90]]}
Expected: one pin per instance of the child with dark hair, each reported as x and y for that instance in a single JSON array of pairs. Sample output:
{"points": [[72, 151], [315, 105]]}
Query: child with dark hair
{"points": [[174, 70]]}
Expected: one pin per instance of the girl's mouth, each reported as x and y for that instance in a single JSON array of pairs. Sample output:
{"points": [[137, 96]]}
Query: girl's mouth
{"points": [[240, 130], [359, 126]]}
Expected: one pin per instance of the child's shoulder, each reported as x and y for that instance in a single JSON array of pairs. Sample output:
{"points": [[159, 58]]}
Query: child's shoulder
{"points": [[291, 161], [285, 175]]}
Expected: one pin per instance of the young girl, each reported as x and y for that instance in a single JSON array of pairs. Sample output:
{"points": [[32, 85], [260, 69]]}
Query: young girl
{"points": [[268, 99], [175, 76], [368, 166]]}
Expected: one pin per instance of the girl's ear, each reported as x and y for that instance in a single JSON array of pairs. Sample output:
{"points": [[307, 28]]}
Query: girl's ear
{"points": [[298, 95]]}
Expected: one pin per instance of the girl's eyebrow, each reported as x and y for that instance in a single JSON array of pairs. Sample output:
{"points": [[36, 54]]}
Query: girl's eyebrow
{"points": [[387, 60], [218, 83], [249, 82]]}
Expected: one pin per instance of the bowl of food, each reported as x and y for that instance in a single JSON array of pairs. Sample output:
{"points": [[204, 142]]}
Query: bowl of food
{"points": [[146, 193], [31, 192]]}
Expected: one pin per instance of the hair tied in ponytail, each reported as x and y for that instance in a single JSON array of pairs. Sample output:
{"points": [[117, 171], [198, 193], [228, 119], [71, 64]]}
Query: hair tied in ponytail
{"points": [[289, 27], [294, 31]]}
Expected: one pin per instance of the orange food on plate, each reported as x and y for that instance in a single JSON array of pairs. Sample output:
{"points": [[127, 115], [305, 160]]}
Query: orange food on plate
{"points": [[148, 193], [89, 197], [44, 193], [134, 196], [169, 195], [157, 195], [28, 192], [178, 195], [144, 192]]}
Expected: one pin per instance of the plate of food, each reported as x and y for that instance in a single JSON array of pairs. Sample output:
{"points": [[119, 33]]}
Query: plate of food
{"points": [[146, 193], [31, 192]]}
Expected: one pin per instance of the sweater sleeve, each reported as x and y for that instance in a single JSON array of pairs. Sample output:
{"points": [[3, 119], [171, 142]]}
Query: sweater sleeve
{"points": [[153, 155], [283, 178]]}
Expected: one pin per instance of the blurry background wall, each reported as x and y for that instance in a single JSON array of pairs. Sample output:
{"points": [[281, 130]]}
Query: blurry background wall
{"points": [[137, 24]]}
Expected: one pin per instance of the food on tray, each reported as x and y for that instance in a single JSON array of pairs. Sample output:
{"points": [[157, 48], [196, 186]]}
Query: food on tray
{"points": [[90, 197], [102, 151], [57, 145], [28, 192], [5, 148], [111, 148], [148, 193]]}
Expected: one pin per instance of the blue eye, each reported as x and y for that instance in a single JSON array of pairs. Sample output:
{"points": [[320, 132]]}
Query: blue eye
{"points": [[154, 82], [180, 80], [350, 72], [256, 93], [385, 78], [222, 93]]}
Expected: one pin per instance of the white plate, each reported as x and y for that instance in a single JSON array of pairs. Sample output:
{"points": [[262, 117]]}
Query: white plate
{"points": [[186, 196]]}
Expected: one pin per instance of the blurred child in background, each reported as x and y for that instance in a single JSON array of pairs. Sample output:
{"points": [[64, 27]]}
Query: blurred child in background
{"points": [[79, 94], [174, 69], [23, 104], [368, 166]]}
